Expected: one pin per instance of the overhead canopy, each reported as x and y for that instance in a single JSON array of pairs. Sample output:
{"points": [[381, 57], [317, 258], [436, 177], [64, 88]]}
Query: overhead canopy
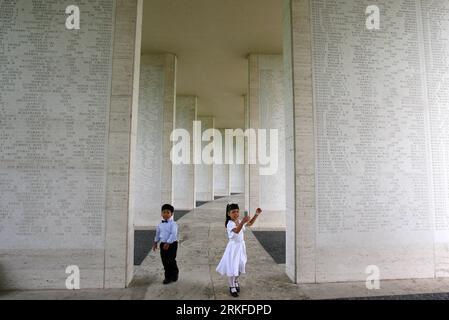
{"points": [[212, 39]]}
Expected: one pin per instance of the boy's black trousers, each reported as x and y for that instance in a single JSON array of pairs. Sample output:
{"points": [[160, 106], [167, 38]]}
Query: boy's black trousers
{"points": [[169, 261]]}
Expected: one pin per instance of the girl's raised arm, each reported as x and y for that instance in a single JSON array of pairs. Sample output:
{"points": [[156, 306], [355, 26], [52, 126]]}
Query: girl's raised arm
{"points": [[240, 226], [258, 212]]}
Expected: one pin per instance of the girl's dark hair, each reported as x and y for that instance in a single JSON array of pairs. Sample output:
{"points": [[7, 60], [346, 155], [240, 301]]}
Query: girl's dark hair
{"points": [[229, 208]]}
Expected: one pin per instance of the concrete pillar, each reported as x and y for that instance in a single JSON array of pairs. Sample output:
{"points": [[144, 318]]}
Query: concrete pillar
{"points": [[294, 266], [366, 147], [133, 139], [65, 145], [222, 171], [266, 112], [152, 178], [204, 173], [119, 242], [247, 166], [184, 174], [237, 171]]}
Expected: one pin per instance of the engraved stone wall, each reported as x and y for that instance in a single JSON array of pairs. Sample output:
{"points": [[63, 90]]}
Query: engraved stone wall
{"points": [[64, 142], [222, 171], [204, 173], [267, 112], [371, 174], [184, 174]]}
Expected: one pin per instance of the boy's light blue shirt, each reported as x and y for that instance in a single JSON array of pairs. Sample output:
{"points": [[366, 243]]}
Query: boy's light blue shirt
{"points": [[167, 232]]}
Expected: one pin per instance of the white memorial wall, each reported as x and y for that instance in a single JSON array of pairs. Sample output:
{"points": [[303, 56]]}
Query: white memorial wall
{"points": [[376, 154], [237, 171], [266, 112], [204, 173], [53, 128], [436, 48], [184, 174], [156, 99], [221, 170], [65, 102]]}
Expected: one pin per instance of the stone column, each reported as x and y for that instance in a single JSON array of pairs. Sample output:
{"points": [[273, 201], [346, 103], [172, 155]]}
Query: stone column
{"points": [[237, 171], [184, 174], [204, 173], [366, 142], [65, 144], [119, 250], [222, 171], [266, 112], [298, 270], [247, 166], [152, 179]]}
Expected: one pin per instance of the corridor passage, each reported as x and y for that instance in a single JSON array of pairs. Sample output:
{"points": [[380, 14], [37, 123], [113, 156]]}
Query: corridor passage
{"points": [[202, 242]]}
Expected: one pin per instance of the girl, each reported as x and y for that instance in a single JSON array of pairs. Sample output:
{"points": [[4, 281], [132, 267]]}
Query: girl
{"points": [[234, 258]]}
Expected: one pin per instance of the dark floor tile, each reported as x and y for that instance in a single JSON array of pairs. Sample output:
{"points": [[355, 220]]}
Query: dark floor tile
{"points": [[143, 241], [274, 243], [180, 213], [200, 203]]}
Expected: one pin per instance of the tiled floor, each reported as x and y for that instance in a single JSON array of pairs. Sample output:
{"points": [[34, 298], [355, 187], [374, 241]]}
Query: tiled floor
{"points": [[143, 240], [202, 242], [274, 243]]}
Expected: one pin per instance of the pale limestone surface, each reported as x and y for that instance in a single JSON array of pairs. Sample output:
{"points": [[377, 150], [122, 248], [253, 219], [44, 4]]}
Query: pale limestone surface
{"points": [[222, 172], [204, 173], [301, 148], [152, 174], [184, 174], [33, 265], [247, 166], [202, 242], [118, 239], [237, 172], [290, 179], [337, 222], [267, 112]]}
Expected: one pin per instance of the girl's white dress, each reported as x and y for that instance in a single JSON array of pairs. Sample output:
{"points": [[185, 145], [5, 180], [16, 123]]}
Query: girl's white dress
{"points": [[234, 258]]}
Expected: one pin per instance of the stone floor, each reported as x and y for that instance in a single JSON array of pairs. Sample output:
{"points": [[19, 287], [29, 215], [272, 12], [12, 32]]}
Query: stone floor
{"points": [[202, 242], [274, 243], [143, 241]]}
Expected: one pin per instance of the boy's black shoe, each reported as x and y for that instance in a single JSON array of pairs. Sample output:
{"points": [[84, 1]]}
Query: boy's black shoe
{"points": [[167, 281], [233, 292], [174, 279], [238, 289]]}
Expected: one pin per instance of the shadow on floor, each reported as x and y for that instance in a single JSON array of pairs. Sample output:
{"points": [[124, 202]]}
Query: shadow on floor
{"points": [[180, 213], [143, 240], [274, 243], [200, 203]]}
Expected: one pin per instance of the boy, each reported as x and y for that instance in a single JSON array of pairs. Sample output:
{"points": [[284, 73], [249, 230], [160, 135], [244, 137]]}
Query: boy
{"points": [[167, 234]]}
